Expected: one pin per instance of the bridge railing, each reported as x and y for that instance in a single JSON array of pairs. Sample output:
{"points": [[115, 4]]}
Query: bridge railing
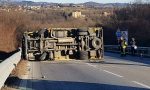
{"points": [[140, 51], [8, 65]]}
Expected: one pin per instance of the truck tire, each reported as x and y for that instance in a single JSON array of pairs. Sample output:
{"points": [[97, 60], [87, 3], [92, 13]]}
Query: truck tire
{"points": [[96, 43], [83, 55], [43, 56], [82, 33]]}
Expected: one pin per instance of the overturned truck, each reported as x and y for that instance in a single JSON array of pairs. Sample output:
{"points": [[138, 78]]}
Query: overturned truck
{"points": [[64, 43]]}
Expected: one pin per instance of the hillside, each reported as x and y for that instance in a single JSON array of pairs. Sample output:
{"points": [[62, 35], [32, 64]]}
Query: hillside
{"points": [[86, 4], [19, 19]]}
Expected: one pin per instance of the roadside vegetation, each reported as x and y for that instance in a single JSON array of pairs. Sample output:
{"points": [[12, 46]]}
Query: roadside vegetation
{"points": [[14, 23], [135, 18]]}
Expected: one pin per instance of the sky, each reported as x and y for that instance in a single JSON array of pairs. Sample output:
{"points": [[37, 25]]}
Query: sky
{"points": [[81, 1]]}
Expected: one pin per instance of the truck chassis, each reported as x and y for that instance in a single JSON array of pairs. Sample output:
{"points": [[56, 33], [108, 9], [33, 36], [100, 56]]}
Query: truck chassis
{"points": [[64, 44]]}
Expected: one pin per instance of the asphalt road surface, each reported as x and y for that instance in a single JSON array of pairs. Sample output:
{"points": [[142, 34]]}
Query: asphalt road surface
{"points": [[116, 73]]}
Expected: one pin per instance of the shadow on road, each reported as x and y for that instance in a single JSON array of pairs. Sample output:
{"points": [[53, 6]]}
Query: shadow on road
{"points": [[70, 85], [12, 82], [128, 58]]}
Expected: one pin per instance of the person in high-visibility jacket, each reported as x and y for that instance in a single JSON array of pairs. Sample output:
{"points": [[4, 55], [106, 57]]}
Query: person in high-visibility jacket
{"points": [[123, 46]]}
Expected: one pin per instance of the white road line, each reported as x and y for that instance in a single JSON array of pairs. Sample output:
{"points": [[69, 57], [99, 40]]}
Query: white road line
{"points": [[146, 86], [108, 66], [112, 73], [91, 65], [104, 70]]}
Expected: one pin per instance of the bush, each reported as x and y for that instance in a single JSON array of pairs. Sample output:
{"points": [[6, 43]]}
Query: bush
{"points": [[136, 18]]}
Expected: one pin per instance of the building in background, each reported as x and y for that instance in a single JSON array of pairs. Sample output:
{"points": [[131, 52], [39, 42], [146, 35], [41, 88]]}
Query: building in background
{"points": [[77, 14]]}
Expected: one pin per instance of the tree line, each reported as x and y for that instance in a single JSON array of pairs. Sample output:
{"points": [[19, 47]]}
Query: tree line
{"points": [[135, 18]]}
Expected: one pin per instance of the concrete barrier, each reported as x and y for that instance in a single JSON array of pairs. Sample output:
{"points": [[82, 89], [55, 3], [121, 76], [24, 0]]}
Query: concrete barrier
{"points": [[7, 66]]}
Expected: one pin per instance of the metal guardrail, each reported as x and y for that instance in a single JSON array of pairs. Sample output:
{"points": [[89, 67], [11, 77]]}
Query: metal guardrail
{"points": [[141, 51], [7, 66]]}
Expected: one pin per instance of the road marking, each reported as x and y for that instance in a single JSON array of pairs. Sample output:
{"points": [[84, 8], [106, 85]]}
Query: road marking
{"points": [[112, 73], [91, 65], [146, 86], [109, 66], [105, 70]]}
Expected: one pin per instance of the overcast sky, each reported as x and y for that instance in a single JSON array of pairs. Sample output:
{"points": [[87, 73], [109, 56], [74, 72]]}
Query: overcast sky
{"points": [[81, 1]]}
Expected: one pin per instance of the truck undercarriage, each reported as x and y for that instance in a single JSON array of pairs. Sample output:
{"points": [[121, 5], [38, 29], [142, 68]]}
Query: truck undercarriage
{"points": [[64, 43]]}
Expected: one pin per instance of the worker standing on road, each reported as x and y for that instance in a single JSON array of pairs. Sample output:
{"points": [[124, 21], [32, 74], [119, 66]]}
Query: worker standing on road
{"points": [[123, 46], [133, 46]]}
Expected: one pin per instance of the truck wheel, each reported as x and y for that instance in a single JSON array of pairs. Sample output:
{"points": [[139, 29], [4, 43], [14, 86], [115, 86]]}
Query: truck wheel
{"points": [[83, 55], [96, 43], [43, 56]]}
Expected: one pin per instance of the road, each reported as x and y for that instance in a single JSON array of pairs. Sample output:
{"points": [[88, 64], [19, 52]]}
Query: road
{"points": [[116, 73]]}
